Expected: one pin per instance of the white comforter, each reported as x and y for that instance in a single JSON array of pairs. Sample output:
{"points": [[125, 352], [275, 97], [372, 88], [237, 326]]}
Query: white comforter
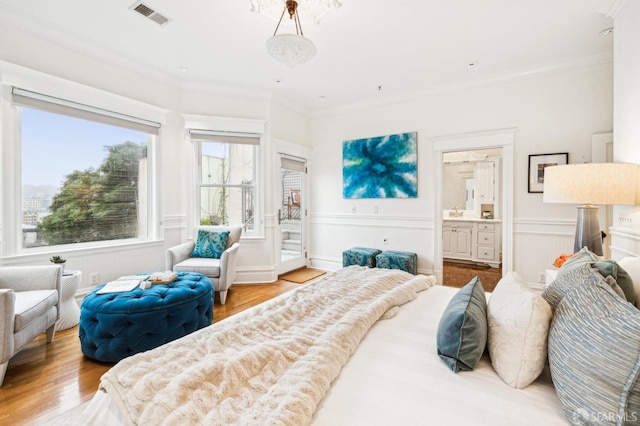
{"points": [[396, 378], [271, 365]]}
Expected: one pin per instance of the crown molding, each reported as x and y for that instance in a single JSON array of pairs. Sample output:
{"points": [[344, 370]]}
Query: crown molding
{"points": [[501, 78], [609, 8]]}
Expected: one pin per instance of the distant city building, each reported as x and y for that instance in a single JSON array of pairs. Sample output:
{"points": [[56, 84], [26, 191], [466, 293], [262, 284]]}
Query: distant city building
{"points": [[36, 204], [35, 207]]}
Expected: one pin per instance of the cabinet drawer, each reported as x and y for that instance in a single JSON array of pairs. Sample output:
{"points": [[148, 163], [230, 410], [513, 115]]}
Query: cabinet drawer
{"points": [[458, 225], [486, 226], [486, 253], [486, 238]]}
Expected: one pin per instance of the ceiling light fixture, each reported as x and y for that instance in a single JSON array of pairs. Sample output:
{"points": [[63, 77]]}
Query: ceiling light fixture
{"points": [[312, 9], [292, 49], [606, 31]]}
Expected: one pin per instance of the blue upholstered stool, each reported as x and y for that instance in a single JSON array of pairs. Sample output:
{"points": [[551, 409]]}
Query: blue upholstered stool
{"points": [[361, 256], [116, 325], [404, 260]]}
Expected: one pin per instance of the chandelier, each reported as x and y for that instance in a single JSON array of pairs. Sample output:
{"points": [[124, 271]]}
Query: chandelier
{"points": [[311, 9], [292, 49]]}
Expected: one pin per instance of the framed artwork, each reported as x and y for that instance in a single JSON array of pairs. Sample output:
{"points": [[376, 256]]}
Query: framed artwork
{"points": [[380, 167], [537, 164]]}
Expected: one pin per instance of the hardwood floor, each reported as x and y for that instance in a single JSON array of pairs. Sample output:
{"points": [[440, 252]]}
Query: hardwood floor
{"points": [[45, 380], [456, 274]]}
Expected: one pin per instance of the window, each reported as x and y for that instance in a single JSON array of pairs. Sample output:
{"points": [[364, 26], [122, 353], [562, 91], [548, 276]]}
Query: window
{"points": [[85, 172], [227, 179]]}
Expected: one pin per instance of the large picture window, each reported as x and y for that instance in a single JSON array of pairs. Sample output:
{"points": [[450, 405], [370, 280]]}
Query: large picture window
{"points": [[85, 173], [227, 186]]}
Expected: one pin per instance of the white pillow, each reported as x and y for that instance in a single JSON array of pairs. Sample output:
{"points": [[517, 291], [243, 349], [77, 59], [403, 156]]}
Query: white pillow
{"points": [[519, 322], [632, 266]]}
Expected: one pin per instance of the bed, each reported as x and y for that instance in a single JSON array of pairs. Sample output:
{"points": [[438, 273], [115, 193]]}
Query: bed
{"points": [[388, 373]]}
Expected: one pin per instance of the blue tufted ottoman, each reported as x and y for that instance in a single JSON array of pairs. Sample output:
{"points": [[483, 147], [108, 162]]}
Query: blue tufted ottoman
{"points": [[361, 256], [116, 325], [404, 260]]}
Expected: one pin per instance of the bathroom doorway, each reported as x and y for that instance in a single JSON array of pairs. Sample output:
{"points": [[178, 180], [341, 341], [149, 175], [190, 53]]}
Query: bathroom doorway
{"points": [[472, 220], [481, 236]]}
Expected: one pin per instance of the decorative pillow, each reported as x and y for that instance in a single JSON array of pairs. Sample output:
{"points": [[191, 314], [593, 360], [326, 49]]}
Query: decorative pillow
{"points": [[612, 268], [519, 322], [555, 291], [210, 244], [632, 266], [594, 355], [579, 258], [462, 330]]}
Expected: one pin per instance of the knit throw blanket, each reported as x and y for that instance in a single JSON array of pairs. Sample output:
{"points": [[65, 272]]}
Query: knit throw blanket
{"points": [[270, 365]]}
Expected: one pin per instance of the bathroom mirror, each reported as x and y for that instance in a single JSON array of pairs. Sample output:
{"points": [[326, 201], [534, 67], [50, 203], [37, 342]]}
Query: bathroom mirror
{"points": [[458, 177]]}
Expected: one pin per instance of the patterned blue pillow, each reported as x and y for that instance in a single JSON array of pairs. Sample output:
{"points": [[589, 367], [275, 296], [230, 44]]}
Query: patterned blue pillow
{"points": [[462, 330], [210, 244], [555, 291], [594, 355]]}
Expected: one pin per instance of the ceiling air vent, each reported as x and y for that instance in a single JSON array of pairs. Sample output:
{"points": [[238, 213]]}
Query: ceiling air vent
{"points": [[148, 12]]}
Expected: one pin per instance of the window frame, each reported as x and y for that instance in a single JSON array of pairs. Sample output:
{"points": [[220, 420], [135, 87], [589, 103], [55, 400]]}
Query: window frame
{"points": [[11, 158], [198, 137]]}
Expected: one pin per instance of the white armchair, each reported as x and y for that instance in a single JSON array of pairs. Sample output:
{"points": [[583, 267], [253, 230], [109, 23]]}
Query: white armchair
{"points": [[29, 306], [221, 272]]}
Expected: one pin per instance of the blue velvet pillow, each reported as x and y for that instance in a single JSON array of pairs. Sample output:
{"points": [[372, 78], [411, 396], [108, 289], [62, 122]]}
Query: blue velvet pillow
{"points": [[462, 330], [210, 244], [611, 268]]}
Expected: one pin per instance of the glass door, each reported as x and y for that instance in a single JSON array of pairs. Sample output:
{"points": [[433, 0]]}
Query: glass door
{"points": [[292, 214]]}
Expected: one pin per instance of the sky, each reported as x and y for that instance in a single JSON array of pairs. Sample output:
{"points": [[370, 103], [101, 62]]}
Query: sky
{"points": [[54, 145]]}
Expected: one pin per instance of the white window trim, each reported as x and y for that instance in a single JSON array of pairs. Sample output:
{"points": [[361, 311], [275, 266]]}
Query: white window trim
{"points": [[230, 125], [11, 161]]}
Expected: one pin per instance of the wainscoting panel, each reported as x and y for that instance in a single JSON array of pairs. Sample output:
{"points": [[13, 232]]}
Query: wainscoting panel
{"points": [[331, 234], [537, 243], [624, 242]]}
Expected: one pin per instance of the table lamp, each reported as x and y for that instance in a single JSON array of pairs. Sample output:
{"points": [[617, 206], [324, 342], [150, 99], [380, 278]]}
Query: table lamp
{"points": [[589, 184]]}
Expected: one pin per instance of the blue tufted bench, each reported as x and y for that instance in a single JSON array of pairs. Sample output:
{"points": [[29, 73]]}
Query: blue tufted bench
{"points": [[116, 325], [361, 256], [404, 260]]}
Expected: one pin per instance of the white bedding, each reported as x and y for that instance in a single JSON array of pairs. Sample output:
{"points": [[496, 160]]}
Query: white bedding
{"points": [[396, 377]]}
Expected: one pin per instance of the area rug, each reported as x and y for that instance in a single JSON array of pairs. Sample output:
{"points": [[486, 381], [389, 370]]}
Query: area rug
{"points": [[302, 275], [68, 418]]}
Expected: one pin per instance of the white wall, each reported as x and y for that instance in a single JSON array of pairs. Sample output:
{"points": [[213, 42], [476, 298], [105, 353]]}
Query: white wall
{"points": [[31, 59], [626, 143], [553, 112]]}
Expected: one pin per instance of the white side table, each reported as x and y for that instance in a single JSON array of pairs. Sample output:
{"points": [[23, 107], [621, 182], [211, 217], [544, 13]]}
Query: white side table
{"points": [[69, 309], [550, 276]]}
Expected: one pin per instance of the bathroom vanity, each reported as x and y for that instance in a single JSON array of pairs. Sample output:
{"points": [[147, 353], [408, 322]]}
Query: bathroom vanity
{"points": [[476, 240]]}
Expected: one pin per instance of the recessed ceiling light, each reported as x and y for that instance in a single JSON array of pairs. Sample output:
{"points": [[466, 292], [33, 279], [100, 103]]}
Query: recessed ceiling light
{"points": [[322, 97], [606, 31], [183, 69], [279, 80], [473, 64]]}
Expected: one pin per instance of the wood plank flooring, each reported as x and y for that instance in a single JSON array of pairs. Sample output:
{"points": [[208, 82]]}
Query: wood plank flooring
{"points": [[45, 380], [457, 274]]}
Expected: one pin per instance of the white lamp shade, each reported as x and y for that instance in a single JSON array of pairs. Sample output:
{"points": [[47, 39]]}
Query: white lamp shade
{"points": [[592, 183]]}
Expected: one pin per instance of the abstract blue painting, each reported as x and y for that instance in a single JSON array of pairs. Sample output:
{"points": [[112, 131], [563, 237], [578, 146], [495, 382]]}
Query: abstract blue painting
{"points": [[380, 167]]}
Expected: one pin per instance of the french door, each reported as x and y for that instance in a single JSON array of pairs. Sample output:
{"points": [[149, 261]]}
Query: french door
{"points": [[292, 213]]}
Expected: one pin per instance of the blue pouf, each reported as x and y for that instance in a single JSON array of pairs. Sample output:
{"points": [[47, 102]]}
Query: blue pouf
{"points": [[116, 325], [361, 256], [403, 260]]}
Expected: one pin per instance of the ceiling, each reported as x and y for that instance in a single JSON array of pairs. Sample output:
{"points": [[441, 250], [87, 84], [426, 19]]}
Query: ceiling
{"points": [[367, 50]]}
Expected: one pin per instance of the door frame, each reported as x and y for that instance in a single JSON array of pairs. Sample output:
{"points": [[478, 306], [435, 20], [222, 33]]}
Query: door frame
{"points": [[283, 148], [499, 138]]}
